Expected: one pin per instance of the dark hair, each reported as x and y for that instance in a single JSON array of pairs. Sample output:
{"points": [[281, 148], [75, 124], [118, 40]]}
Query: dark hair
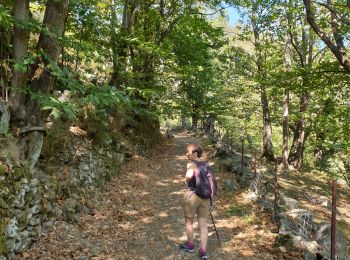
{"points": [[197, 149]]}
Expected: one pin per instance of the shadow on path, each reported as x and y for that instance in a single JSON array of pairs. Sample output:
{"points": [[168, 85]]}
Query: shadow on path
{"points": [[139, 216]]}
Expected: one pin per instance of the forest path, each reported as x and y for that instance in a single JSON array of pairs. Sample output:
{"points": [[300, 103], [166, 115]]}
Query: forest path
{"points": [[139, 216]]}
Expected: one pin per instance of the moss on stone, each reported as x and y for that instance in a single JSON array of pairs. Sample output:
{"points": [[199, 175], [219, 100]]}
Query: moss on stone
{"points": [[283, 240], [21, 172], [23, 219], [3, 204], [56, 140], [28, 198], [3, 170], [43, 205], [3, 239]]}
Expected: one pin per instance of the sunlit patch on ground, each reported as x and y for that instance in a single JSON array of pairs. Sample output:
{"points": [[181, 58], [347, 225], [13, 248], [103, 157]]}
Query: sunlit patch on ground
{"points": [[142, 176], [147, 220], [181, 192], [138, 215], [77, 131], [161, 183], [163, 214]]}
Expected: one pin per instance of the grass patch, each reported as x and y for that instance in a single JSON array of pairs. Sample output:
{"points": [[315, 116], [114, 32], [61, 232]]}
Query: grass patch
{"points": [[249, 219], [236, 210], [345, 228]]}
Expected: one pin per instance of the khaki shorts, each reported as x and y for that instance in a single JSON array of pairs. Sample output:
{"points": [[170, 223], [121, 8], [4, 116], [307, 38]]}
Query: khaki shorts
{"points": [[193, 204]]}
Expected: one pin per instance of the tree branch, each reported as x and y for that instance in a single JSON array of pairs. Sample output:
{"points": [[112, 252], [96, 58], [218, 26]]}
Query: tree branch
{"points": [[333, 11], [320, 52], [297, 50], [338, 53], [215, 12]]}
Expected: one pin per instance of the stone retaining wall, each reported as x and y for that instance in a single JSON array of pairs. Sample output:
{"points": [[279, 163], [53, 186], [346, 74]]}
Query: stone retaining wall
{"points": [[31, 202]]}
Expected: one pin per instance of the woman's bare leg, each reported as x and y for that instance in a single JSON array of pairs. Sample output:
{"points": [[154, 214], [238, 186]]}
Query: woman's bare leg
{"points": [[189, 229], [203, 231]]}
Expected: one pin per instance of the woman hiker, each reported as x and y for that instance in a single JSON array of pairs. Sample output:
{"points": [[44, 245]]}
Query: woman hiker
{"points": [[193, 205]]}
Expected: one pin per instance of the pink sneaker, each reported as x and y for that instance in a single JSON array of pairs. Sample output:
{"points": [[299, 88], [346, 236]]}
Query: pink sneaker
{"points": [[203, 254], [188, 247]]}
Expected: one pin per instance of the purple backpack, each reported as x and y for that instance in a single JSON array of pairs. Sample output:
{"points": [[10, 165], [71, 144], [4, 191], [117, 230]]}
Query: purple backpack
{"points": [[205, 182]]}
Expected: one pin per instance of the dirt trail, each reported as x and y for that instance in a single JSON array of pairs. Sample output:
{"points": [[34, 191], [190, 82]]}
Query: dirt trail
{"points": [[138, 216]]}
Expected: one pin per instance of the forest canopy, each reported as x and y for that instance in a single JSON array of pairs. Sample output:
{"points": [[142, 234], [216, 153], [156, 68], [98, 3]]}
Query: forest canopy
{"points": [[279, 78]]}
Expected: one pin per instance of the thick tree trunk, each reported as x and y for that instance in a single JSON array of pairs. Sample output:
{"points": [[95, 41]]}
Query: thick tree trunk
{"points": [[299, 134], [267, 136], [209, 125], [41, 79], [20, 46], [194, 122], [297, 149], [320, 150]]}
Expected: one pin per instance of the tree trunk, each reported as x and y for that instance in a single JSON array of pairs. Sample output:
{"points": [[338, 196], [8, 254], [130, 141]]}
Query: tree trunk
{"points": [[20, 46], [6, 36], [183, 121], [194, 117], [209, 125], [297, 149], [119, 44], [267, 137], [288, 64], [194, 122], [299, 135], [320, 150], [267, 151], [41, 79]]}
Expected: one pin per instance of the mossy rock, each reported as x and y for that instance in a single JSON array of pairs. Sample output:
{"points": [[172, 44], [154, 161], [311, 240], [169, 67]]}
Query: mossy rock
{"points": [[56, 141], [3, 204], [284, 240], [23, 219], [28, 197], [20, 172], [103, 138], [3, 170], [3, 239]]}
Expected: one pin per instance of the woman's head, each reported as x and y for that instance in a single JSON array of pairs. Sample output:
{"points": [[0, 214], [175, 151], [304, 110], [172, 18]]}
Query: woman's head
{"points": [[193, 151]]}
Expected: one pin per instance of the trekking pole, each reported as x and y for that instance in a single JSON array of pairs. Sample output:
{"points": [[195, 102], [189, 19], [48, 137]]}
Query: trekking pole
{"points": [[217, 234]]}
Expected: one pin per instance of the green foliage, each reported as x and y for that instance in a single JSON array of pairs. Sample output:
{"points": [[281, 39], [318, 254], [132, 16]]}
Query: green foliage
{"points": [[336, 166], [194, 91], [236, 210], [6, 19], [184, 65], [58, 107], [249, 219], [23, 65]]}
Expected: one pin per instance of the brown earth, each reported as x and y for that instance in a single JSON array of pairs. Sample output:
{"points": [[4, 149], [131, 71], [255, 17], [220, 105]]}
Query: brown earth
{"points": [[138, 215]]}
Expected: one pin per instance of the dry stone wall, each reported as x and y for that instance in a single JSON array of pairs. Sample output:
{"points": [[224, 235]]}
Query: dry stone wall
{"points": [[298, 227], [31, 202]]}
